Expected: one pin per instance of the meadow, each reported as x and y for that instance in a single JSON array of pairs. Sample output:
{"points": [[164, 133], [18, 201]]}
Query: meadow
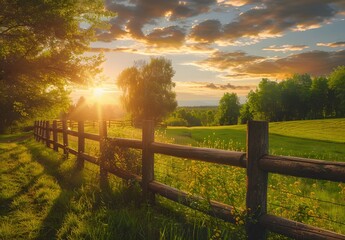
{"points": [[43, 195]]}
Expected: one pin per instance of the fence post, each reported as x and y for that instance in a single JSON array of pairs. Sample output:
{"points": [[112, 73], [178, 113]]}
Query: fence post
{"points": [[81, 145], [47, 134], [147, 160], [256, 198], [44, 130], [64, 137], [103, 174], [55, 136], [39, 130], [35, 130]]}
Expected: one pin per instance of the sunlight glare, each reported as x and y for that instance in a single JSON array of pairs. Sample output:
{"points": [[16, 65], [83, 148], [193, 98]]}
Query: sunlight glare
{"points": [[98, 92]]}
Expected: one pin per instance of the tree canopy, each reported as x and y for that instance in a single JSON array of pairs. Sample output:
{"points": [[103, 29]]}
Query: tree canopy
{"points": [[298, 97], [41, 51], [148, 89], [228, 109]]}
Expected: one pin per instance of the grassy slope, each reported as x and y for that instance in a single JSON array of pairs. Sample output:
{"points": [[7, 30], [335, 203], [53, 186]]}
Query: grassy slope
{"points": [[43, 196], [318, 139], [321, 139]]}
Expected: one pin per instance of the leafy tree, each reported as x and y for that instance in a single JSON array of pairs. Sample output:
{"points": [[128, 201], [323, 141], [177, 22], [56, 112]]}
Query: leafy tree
{"points": [[246, 113], [228, 109], [337, 87], [265, 101], [148, 89], [295, 97], [41, 51], [319, 98]]}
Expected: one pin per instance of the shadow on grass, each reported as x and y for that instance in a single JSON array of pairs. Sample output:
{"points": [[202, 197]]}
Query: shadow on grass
{"points": [[68, 179], [5, 203]]}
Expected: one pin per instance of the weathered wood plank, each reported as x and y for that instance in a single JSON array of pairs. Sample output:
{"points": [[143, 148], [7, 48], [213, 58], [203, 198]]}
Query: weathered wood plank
{"points": [[147, 160], [256, 197], [72, 151], [81, 145], [55, 136], [123, 174], [65, 136], [128, 143], [215, 209], [302, 167], [203, 154], [102, 148], [297, 230], [47, 125], [92, 136], [90, 158], [59, 145], [72, 133]]}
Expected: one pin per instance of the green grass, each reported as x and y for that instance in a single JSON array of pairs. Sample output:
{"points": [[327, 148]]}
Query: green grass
{"points": [[14, 137], [320, 139], [44, 196], [319, 203]]}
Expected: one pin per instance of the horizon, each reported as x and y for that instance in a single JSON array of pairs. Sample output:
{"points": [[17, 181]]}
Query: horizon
{"points": [[222, 46]]}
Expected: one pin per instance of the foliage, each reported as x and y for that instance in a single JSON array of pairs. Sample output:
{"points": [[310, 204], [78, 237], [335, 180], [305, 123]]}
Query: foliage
{"points": [[43, 196], [192, 116], [41, 51], [148, 89], [337, 87], [296, 98], [246, 114], [228, 109]]}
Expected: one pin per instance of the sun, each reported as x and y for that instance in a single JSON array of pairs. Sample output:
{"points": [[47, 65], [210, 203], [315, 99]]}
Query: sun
{"points": [[98, 92]]}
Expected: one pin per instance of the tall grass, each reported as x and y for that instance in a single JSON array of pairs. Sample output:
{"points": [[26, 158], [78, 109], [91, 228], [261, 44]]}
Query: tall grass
{"points": [[43, 196]]}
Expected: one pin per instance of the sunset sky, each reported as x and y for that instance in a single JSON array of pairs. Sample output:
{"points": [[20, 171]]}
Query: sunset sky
{"points": [[219, 46]]}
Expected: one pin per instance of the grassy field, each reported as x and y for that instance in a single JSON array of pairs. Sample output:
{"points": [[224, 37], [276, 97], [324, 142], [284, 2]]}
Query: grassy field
{"points": [[319, 139], [43, 196], [319, 203]]}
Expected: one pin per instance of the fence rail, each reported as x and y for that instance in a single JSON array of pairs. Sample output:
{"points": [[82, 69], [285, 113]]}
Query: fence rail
{"points": [[256, 160]]}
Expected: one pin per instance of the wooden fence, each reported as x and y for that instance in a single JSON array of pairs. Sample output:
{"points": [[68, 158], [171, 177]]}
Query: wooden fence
{"points": [[256, 160]]}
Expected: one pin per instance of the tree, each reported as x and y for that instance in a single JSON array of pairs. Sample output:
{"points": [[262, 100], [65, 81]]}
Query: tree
{"points": [[337, 87], [296, 97], [148, 90], [319, 98], [228, 109], [265, 101], [41, 52], [245, 113]]}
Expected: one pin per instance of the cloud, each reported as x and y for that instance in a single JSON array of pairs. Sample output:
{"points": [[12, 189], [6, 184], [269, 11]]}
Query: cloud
{"points": [[172, 36], [285, 48], [202, 91], [272, 18], [240, 64], [119, 49], [224, 61], [132, 16], [207, 31], [314, 62], [332, 44], [227, 86], [163, 24]]}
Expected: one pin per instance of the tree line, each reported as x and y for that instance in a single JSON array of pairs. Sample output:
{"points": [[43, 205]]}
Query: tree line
{"points": [[296, 98]]}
